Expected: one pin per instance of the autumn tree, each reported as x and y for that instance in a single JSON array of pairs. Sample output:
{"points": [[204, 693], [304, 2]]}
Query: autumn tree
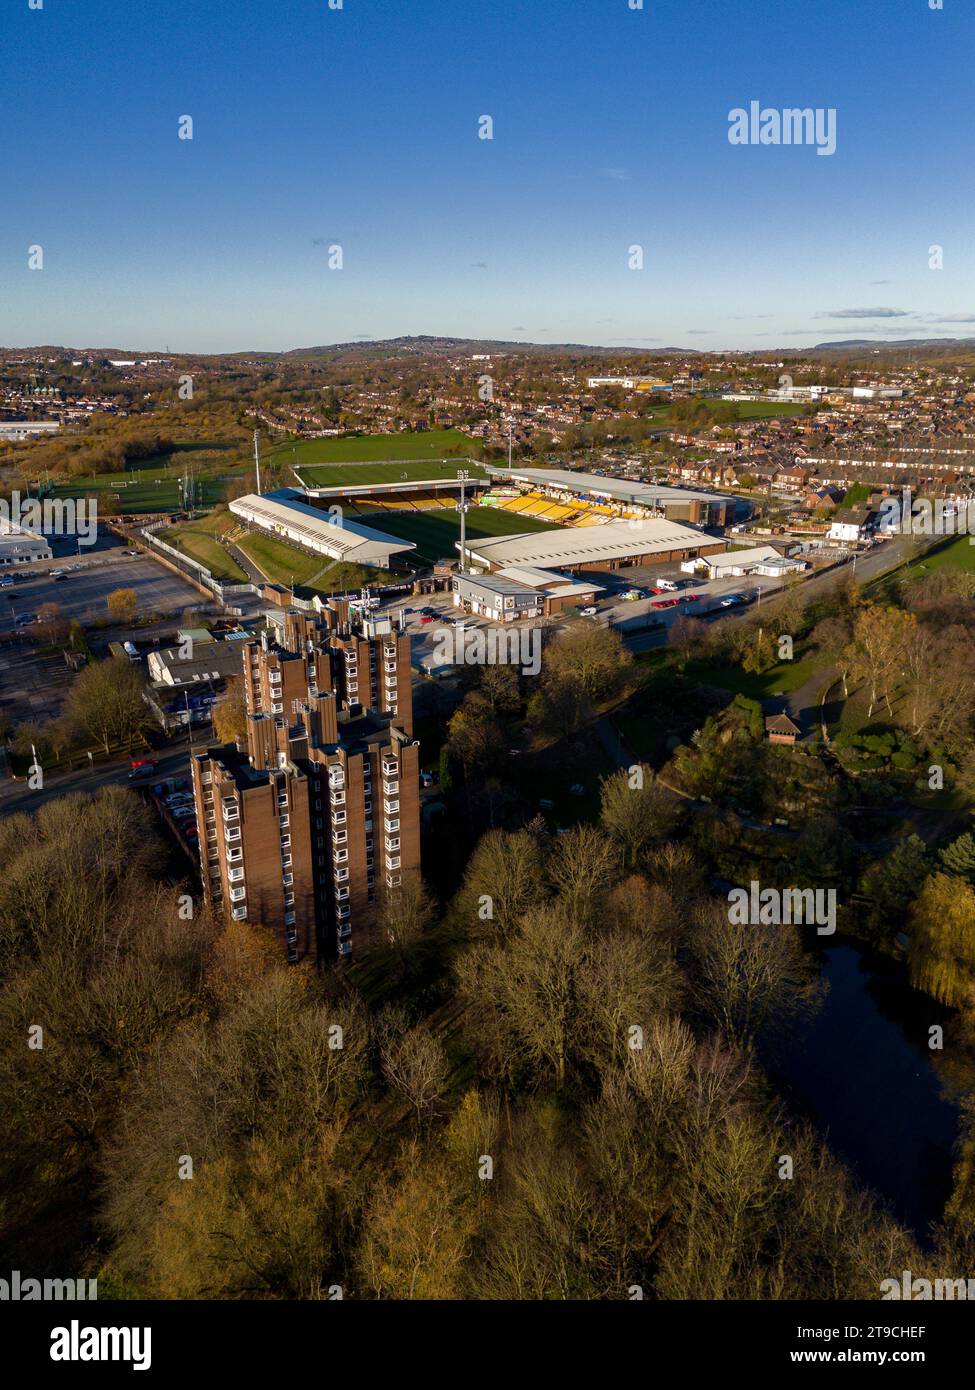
{"points": [[106, 702], [636, 810], [122, 605], [230, 712]]}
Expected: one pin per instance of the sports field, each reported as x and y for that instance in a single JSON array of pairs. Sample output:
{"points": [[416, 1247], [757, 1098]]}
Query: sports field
{"points": [[340, 475], [434, 533], [374, 448]]}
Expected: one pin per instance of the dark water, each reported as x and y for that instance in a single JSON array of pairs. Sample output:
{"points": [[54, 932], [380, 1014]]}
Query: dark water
{"points": [[861, 1070]]}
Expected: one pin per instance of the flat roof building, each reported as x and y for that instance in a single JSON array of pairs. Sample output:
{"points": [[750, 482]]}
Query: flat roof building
{"points": [[643, 541]]}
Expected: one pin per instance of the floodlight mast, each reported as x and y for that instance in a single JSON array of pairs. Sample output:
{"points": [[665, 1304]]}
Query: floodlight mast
{"points": [[463, 477]]}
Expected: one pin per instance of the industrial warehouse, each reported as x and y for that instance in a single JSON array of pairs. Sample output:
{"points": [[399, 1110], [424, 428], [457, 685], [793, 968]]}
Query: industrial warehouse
{"points": [[616, 545], [281, 514]]}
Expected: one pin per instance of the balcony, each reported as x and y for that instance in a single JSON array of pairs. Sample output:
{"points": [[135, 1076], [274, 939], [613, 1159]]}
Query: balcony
{"points": [[340, 837], [344, 931], [390, 767], [339, 817], [390, 788], [393, 863], [231, 834], [394, 880], [239, 913], [341, 894], [392, 844], [391, 808], [283, 822], [337, 798], [287, 880], [289, 919], [236, 875], [343, 913], [341, 856], [345, 948], [238, 893], [341, 875]]}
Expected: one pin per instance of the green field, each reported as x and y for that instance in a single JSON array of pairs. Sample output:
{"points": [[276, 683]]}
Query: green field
{"points": [[372, 474], [152, 485], [435, 532], [197, 540], [374, 448], [283, 564]]}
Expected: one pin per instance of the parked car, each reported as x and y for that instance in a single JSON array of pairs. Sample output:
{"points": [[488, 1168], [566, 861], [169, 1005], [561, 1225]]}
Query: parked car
{"points": [[732, 600], [56, 574], [426, 618], [183, 812], [25, 619], [7, 582], [59, 578], [689, 598], [139, 774], [589, 612]]}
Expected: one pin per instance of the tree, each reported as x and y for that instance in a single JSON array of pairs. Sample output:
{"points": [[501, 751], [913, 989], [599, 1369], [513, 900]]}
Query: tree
{"points": [[959, 857], [475, 738], [881, 640], [504, 878], [416, 1065], [106, 702], [636, 815], [230, 712], [747, 977], [942, 952], [122, 605], [405, 913], [52, 623]]}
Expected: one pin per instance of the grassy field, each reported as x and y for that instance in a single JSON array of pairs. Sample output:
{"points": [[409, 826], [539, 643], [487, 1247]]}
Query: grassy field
{"points": [[374, 448], [197, 539], [957, 554], [152, 485], [369, 474], [283, 564], [434, 532], [780, 680]]}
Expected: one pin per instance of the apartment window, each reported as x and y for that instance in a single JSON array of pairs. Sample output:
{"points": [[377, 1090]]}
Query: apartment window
{"points": [[238, 893], [283, 821], [288, 880], [235, 875], [392, 843], [341, 875], [289, 899], [289, 918], [286, 861], [277, 708], [239, 914], [391, 825]]}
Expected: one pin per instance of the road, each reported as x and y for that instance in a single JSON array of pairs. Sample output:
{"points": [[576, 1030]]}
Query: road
{"points": [[173, 761]]}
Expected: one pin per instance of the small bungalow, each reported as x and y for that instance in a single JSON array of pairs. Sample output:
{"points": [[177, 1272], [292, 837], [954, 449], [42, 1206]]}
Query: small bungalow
{"points": [[779, 728]]}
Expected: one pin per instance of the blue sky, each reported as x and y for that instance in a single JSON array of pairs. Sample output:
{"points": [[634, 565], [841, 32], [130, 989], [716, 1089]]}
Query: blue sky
{"points": [[360, 127]]}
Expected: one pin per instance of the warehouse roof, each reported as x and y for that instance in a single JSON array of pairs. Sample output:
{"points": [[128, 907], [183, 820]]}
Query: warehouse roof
{"points": [[617, 540]]}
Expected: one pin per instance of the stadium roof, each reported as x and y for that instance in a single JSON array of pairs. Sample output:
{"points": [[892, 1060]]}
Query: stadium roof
{"points": [[340, 539], [618, 489], [581, 545]]}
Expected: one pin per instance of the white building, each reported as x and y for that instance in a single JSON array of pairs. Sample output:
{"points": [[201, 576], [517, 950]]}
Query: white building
{"points": [[759, 559], [325, 533]]}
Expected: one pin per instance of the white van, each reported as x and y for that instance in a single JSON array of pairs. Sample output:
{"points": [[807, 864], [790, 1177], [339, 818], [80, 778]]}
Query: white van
{"points": [[667, 584]]}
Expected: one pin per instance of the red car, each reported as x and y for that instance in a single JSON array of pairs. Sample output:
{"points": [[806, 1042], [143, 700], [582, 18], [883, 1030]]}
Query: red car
{"points": [[426, 618], [690, 598]]}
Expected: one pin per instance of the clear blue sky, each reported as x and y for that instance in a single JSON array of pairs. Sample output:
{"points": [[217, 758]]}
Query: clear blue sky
{"points": [[359, 127]]}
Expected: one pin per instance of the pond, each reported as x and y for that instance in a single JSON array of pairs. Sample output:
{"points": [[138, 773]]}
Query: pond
{"points": [[862, 1071]]}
